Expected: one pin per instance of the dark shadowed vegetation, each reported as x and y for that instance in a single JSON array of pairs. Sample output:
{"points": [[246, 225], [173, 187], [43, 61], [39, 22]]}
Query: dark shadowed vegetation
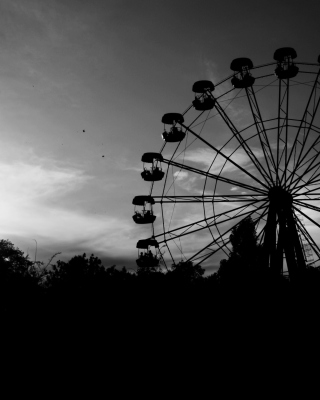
{"points": [[91, 298]]}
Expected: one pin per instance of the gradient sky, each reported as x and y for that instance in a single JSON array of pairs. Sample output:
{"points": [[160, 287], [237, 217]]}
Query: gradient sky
{"points": [[83, 87]]}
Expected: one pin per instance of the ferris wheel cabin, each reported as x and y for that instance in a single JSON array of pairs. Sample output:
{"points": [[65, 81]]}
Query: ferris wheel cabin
{"points": [[203, 100], [145, 256], [242, 78], [143, 210], [286, 68], [154, 173], [174, 134]]}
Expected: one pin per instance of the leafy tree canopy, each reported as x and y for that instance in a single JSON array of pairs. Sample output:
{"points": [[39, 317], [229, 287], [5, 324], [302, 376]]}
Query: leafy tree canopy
{"points": [[186, 271], [12, 260], [245, 251]]}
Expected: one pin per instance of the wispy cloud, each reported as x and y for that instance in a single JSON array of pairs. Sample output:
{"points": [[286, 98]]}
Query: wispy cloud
{"points": [[21, 182], [204, 156], [43, 200]]}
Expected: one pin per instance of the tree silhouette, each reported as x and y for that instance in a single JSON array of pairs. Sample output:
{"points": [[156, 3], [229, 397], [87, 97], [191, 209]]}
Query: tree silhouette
{"points": [[19, 279], [75, 274], [13, 262], [185, 271], [243, 260]]}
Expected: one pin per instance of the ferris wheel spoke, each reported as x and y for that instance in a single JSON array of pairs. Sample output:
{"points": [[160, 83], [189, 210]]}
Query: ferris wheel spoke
{"points": [[315, 174], [224, 146], [228, 158], [210, 253], [300, 179], [221, 235], [283, 125], [311, 178], [305, 215], [317, 199], [309, 192], [214, 176], [206, 256], [310, 206], [307, 119], [186, 229], [212, 224], [216, 227], [310, 163], [209, 199], [314, 181], [263, 138], [235, 132], [262, 233], [220, 245], [309, 196], [311, 160], [164, 233], [217, 242], [215, 222]]}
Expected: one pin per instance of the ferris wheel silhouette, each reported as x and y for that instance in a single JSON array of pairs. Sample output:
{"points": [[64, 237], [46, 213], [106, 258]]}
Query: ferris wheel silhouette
{"points": [[247, 146]]}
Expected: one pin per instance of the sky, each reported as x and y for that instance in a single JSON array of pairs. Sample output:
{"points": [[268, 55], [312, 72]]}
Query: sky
{"points": [[83, 87]]}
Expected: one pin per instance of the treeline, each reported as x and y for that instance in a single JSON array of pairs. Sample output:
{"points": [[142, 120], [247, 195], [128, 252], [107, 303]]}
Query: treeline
{"points": [[81, 309], [83, 286], [83, 293]]}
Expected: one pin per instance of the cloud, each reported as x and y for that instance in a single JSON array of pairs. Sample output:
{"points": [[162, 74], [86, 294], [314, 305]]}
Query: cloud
{"points": [[187, 182], [21, 182], [43, 200]]}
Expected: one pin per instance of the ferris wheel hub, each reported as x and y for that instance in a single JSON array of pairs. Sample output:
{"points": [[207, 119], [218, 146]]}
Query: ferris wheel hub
{"points": [[280, 197]]}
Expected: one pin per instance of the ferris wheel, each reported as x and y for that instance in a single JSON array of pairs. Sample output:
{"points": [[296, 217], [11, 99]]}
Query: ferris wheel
{"points": [[248, 146]]}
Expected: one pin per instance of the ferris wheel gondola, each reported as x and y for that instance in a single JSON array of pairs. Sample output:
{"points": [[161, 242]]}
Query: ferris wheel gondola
{"points": [[143, 210], [145, 256], [203, 100], [242, 78], [174, 133], [154, 173]]}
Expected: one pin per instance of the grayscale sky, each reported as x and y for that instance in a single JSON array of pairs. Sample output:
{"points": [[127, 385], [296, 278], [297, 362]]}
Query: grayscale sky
{"points": [[83, 87]]}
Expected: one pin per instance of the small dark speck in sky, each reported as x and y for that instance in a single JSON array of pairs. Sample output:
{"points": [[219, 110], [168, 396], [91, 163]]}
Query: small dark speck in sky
{"points": [[102, 156], [83, 130]]}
